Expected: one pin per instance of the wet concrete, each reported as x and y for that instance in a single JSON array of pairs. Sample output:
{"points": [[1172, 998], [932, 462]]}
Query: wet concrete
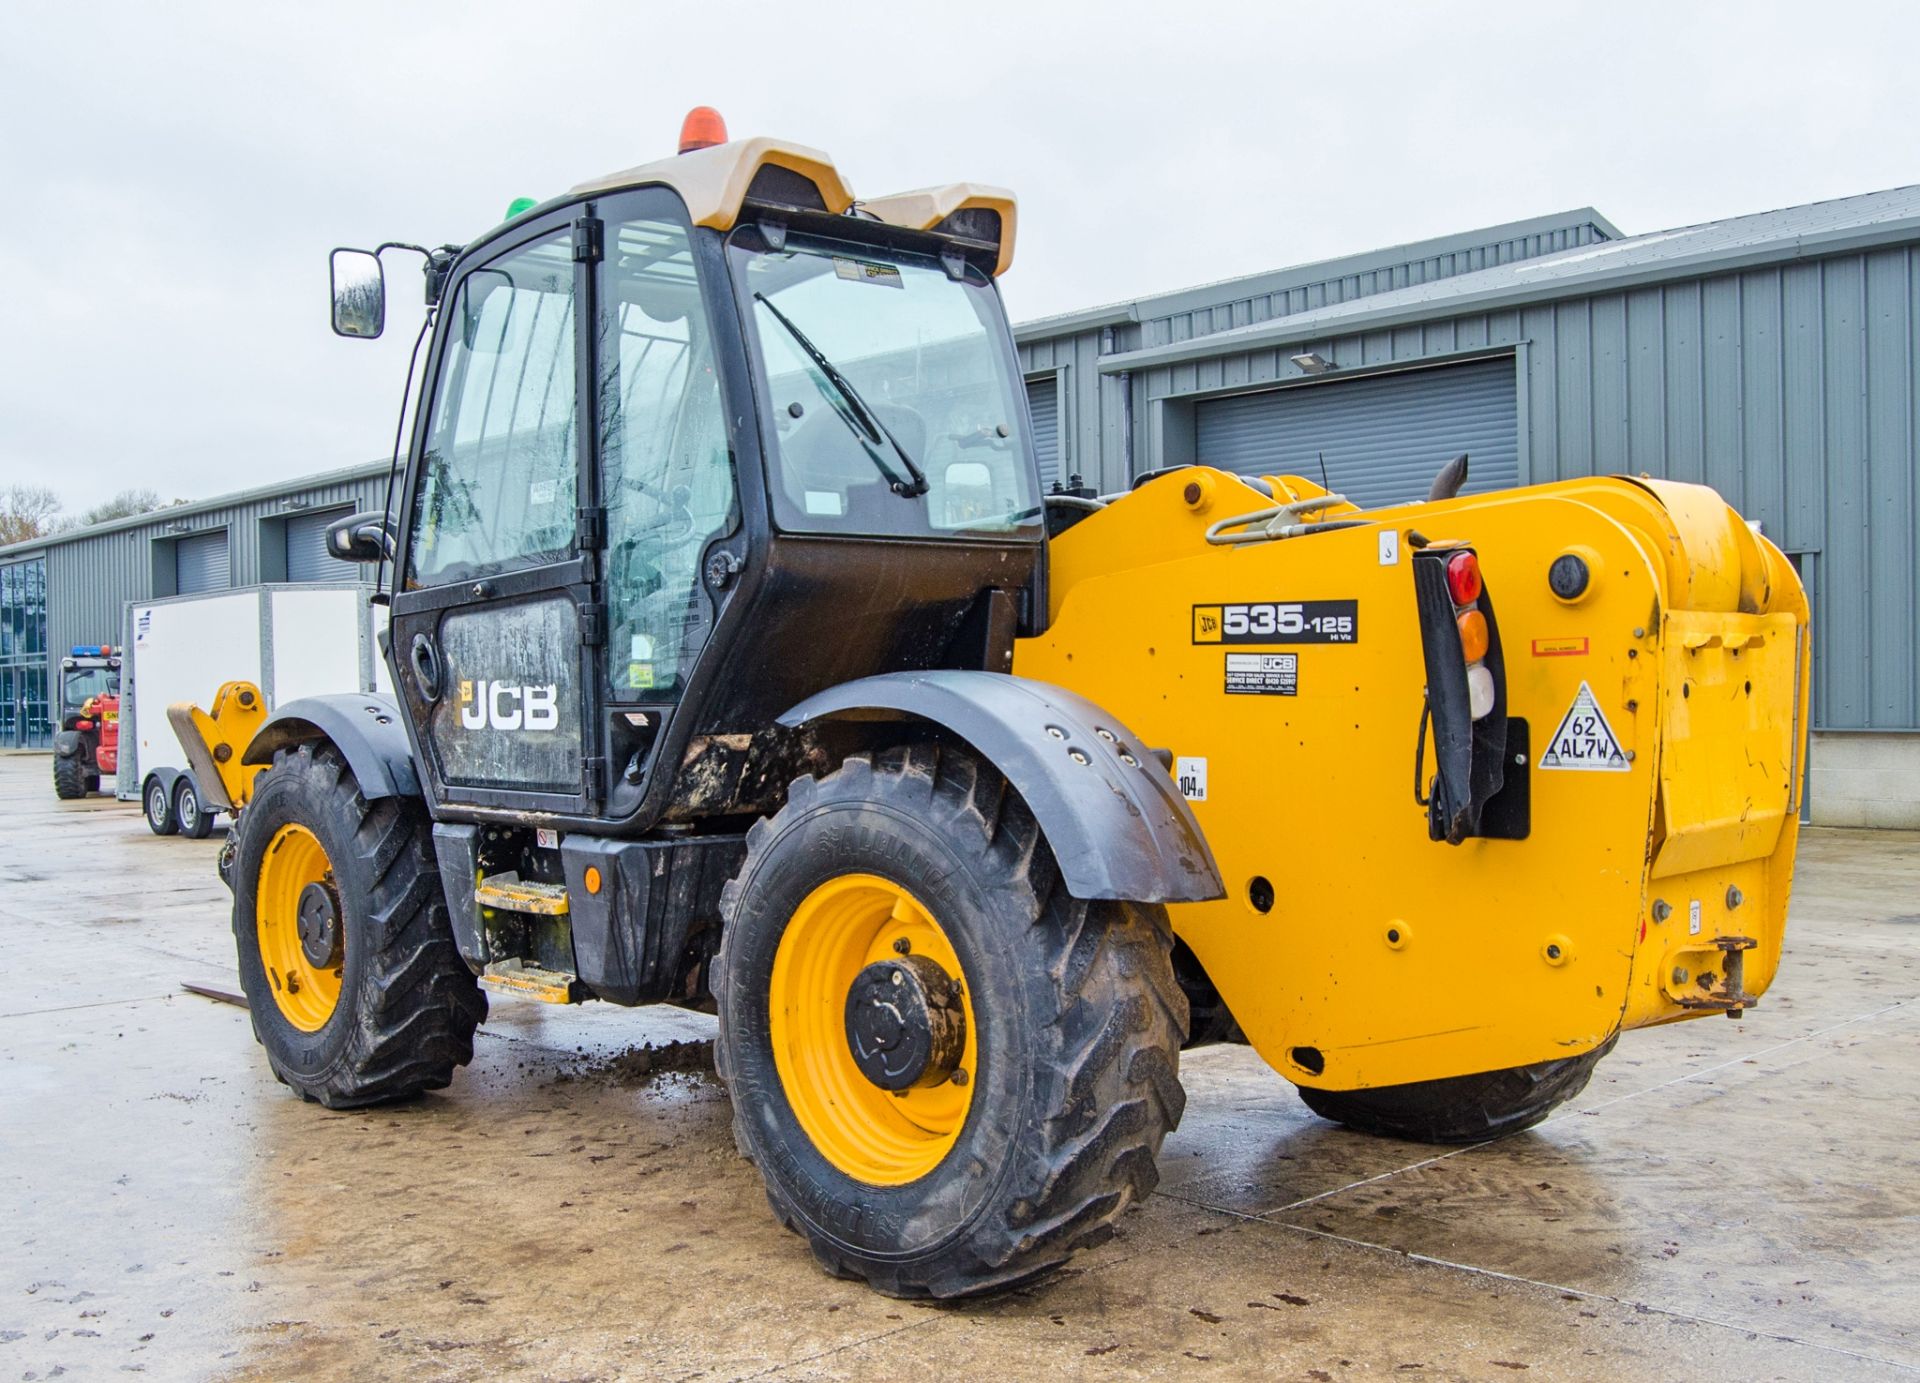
{"points": [[1725, 1199]]}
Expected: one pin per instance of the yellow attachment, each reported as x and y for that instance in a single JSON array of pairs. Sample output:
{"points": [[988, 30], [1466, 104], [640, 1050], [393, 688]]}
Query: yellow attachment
{"points": [[870, 1134], [306, 994], [216, 740], [1385, 957]]}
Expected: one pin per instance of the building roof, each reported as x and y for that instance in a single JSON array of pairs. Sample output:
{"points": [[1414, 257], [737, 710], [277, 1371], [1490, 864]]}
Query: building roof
{"points": [[1317, 271], [174, 512], [1818, 229]]}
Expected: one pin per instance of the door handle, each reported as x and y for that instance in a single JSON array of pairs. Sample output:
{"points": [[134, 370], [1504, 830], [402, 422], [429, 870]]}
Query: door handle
{"points": [[426, 667]]}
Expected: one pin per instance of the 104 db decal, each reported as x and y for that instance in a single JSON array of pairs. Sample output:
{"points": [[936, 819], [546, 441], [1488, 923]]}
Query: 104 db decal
{"points": [[1300, 621]]}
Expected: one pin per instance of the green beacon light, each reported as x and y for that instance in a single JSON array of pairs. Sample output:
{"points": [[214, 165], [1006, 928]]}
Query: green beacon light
{"points": [[520, 206]]}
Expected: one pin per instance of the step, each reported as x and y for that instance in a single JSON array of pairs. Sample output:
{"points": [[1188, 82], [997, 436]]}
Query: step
{"points": [[511, 893], [530, 981]]}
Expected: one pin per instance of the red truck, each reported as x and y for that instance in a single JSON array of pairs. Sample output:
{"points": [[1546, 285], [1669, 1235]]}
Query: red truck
{"points": [[87, 745]]}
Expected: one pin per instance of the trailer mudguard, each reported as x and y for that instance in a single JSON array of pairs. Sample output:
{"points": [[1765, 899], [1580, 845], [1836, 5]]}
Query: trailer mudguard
{"points": [[365, 728], [1117, 825]]}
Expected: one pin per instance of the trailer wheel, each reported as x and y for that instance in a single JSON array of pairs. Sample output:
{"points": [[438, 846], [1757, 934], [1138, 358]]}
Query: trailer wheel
{"points": [[950, 1073], [356, 986], [195, 821], [159, 808], [1460, 1109], [69, 781]]}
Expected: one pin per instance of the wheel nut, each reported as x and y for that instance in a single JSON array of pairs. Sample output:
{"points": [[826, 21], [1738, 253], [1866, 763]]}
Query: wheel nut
{"points": [[960, 1076], [901, 945]]}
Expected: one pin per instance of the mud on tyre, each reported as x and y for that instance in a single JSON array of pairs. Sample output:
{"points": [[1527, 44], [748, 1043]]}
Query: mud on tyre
{"points": [[357, 990], [1074, 1024]]}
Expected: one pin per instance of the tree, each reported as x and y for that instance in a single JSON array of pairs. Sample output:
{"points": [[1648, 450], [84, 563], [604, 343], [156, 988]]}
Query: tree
{"points": [[26, 512], [123, 506]]}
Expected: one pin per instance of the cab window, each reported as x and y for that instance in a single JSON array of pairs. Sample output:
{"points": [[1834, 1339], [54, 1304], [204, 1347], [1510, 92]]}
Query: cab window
{"points": [[500, 472], [666, 475]]}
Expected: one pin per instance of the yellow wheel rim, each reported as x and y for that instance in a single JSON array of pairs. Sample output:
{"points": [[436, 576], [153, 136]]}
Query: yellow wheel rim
{"points": [[306, 993], [873, 1135]]}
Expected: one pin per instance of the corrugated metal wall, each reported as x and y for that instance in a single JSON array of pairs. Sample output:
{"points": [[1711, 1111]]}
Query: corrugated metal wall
{"points": [[1096, 445], [1043, 407], [89, 578], [1793, 389]]}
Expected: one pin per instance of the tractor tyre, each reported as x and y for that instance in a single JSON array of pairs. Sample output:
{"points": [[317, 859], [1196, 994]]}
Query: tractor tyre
{"points": [[69, 779], [1460, 1109], [347, 957], [157, 804], [950, 1073], [194, 820]]}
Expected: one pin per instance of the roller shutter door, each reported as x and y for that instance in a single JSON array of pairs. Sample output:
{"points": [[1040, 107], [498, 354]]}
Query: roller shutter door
{"points": [[200, 563], [1043, 404], [307, 555], [1384, 437]]}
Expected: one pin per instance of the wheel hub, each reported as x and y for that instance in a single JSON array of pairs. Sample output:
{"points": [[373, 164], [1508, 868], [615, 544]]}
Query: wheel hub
{"points": [[319, 923], [905, 1024]]}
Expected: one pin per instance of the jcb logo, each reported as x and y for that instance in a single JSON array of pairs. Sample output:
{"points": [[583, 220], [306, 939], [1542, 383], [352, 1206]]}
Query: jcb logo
{"points": [[502, 706]]}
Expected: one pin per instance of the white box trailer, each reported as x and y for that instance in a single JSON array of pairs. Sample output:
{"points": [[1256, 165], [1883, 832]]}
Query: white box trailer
{"points": [[289, 640]]}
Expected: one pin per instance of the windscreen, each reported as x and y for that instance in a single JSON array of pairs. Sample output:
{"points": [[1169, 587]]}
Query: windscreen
{"points": [[83, 682], [891, 399]]}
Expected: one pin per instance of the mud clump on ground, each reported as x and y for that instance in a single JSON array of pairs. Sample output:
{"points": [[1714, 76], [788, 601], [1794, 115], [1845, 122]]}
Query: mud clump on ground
{"points": [[648, 1064]]}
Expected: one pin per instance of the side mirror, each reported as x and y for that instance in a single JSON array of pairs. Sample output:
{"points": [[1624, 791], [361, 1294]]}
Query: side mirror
{"points": [[360, 538], [359, 293]]}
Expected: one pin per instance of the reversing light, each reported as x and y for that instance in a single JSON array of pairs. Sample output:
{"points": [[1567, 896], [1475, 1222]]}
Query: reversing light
{"points": [[702, 129], [1463, 578], [1473, 635], [1479, 690]]}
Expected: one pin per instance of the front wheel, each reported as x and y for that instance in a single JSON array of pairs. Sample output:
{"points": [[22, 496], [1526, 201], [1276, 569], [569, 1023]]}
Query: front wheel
{"points": [[1460, 1109], [950, 1073], [346, 955], [69, 779]]}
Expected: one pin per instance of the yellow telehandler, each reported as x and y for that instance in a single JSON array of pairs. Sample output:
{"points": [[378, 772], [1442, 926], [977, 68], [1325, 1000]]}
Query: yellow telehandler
{"points": [[742, 664]]}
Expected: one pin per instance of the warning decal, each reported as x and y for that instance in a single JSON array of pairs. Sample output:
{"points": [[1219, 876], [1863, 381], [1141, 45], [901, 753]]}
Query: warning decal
{"points": [[1585, 740]]}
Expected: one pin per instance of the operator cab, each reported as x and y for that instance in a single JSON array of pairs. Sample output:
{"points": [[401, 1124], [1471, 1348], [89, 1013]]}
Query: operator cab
{"points": [[90, 671], [694, 442]]}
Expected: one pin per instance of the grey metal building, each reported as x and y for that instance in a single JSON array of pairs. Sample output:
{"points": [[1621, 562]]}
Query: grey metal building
{"points": [[1775, 357], [70, 589]]}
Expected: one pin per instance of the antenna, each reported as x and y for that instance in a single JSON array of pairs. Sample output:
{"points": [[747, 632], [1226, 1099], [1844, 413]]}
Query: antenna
{"points": [[1325, 484]]}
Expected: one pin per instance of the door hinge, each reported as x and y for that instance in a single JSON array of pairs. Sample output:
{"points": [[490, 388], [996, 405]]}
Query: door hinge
{"points": [[593, 625], [587, 240], [593, 772], [591, 528]]}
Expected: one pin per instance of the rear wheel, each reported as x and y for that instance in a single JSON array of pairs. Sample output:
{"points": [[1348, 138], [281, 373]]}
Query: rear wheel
{"points": [[1460, 1109], [158, 805], [69, 779], [195, 821], [357, 990], [950, 1073]]}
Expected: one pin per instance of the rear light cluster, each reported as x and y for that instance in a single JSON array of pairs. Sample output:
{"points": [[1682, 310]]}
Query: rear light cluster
{"points": [[1464, 585]]}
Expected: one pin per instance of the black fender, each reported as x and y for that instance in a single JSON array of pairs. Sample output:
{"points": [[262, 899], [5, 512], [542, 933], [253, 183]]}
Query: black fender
{"points": [[365, 728], [68, 744], [1116, 823]]}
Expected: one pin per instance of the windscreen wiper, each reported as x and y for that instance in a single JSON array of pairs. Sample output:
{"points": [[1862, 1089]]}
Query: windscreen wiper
{"points": [[864, 415]]}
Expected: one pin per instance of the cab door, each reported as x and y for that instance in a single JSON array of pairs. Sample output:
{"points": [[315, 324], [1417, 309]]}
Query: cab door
{"points": [[495, 612]]}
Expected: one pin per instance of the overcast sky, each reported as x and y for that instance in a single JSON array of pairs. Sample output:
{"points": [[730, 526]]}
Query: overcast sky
{"points": [[175, 174]]}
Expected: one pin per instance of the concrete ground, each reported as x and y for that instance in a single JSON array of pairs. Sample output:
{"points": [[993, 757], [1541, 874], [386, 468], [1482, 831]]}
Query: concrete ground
{"points": [[1725, 1200]]}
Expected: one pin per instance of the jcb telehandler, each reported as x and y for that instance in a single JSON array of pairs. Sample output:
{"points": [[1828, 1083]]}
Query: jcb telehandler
{"points": [[736, 669]]}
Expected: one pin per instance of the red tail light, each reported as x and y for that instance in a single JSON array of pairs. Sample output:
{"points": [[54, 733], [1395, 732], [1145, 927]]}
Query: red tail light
{"points": [[1463, 578]]}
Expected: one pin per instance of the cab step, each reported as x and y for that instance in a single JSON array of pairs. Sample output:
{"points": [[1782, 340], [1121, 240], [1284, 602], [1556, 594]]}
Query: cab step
{"points": [[530, 981], [510, 893]]}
